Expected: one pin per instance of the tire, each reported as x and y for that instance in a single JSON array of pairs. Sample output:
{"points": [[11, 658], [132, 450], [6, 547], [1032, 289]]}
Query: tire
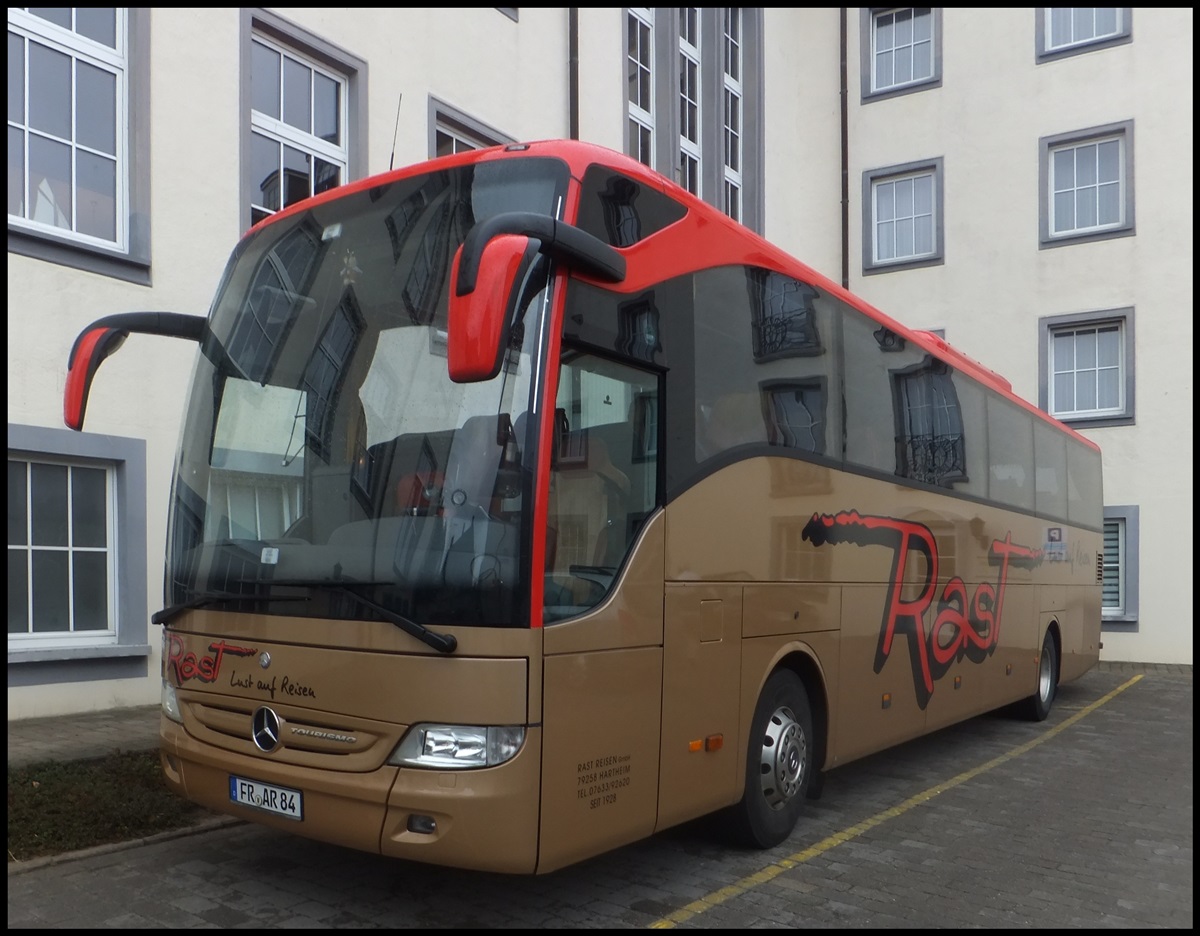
{"points": [[1037, 706], [780, 763]]}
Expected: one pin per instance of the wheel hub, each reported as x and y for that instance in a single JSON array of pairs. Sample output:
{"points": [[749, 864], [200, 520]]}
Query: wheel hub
{"points": [[784, 749]]}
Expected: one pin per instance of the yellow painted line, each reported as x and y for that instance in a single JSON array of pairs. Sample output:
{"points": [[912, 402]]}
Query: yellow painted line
{"points": [[769, 873]]}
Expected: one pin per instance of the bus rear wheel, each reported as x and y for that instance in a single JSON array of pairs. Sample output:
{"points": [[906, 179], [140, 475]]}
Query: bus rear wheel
{"points": [[1037, 706], [779, 764]]}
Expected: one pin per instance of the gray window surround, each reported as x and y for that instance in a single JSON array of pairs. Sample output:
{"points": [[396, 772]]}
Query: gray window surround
{"points": [[1042, 54], [355, 69], [133, 265], [866, 27], [1050, 323], [439, 110], [1124, 129], [1130, 569], [869, 178], [511, 12], [128, 657], [666, 106]]}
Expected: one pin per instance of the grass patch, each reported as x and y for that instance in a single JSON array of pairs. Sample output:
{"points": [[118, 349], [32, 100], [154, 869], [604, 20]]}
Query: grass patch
{"points": [[61, 807]]}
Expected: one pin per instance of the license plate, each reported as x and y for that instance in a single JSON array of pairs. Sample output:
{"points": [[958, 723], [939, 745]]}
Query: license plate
{"points": [[280, 801]]}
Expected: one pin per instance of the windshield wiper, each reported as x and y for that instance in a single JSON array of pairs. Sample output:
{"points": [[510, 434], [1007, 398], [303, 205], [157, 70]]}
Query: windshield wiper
{"points": [[166, 614], [443, 643]]}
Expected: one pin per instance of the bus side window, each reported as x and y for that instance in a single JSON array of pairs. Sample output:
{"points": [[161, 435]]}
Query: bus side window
{"points": [[732, 420]]}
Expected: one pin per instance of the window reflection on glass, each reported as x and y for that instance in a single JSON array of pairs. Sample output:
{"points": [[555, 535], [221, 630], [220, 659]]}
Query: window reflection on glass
{"points": [[931, 443]]}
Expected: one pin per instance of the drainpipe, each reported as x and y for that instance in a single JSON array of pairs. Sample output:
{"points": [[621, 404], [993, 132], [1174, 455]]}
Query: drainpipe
{"points": [[573, 70], [845, 162]]}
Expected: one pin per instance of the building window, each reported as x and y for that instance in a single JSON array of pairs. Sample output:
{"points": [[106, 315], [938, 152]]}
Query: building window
{"points": [[1086, 179], [901, 50], [76, 147], [297, 136], [689, 99], [731, 20], [640, 65], [60, 555], [452, 131], [1070, 30], [1119, 601], [305, 130], [1087, 367], [902, 216], [76, 553], [699, 123]]}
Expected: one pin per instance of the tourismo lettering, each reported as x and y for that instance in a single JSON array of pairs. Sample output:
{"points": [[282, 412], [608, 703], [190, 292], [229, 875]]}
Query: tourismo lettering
{"points": [[186, 665], [961, 627]]}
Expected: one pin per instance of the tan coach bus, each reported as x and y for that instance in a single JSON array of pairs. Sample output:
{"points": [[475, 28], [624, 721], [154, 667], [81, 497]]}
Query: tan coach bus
{"points": [[526, 506]]}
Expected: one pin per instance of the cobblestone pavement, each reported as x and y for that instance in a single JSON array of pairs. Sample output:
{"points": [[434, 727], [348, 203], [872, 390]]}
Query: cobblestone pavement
{"points": [[1084, 820]]}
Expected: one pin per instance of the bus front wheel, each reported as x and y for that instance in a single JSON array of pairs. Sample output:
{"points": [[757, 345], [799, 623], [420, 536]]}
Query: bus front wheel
{"points": [[779, 764]]}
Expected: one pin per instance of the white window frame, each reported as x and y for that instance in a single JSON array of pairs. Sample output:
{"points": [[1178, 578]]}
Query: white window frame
{"points": [[114, 61], [874, 182], [1052, 187], [873, 84], [1119, 414], [279, 131], [734, 94], [691, 81], [1116, 527], [1077, 15], [1087, 185], [92, 637], [640, 117], [1124, 615], [1087, 363]]}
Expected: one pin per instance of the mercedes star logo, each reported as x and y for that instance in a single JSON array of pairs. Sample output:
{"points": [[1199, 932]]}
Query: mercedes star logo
{"points": [[264, 729]]}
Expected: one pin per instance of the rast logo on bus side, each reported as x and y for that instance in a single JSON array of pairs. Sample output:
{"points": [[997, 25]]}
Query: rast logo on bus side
{"points": [[961, 628]]}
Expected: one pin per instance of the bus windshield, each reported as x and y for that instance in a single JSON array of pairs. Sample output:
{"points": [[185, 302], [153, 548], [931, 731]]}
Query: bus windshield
{"points": [[326, 454]]}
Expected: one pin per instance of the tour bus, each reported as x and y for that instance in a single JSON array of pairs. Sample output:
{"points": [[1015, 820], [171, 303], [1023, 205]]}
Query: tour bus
{"points": [[525, 506]]}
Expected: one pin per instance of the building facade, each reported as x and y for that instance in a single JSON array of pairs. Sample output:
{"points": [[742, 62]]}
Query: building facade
{"points": [[1002, 176]]}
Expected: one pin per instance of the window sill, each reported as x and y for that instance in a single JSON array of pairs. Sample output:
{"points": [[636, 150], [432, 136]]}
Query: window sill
{"points": [[899, 90], [1094, 422], [1066, 240], [1119, 625], [78, 653], [78, 256], [914, 264]]}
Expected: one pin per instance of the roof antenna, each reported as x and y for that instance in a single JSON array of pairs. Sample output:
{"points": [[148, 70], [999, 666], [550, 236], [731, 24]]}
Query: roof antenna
{"points": [[396, 132]]}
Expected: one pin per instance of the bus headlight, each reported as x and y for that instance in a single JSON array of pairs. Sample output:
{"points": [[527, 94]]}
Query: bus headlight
{"points": [[170, 703], [457, 747]]}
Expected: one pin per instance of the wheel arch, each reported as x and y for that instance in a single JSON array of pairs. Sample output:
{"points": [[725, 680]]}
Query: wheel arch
{"points": [[1054, 630]]}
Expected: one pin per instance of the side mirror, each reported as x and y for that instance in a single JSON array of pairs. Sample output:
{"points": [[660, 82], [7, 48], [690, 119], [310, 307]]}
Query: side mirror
{"points": [[106, 335], [479, 323], [488, 272]]}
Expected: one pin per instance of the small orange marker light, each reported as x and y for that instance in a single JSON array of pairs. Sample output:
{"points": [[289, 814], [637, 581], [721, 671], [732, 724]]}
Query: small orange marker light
{"points": [[714, 742], [887, 700], [957, 682], [696, 745]]}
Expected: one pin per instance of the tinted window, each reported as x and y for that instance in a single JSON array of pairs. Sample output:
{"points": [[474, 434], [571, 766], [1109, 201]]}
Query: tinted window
{"points": [[621, 211]]}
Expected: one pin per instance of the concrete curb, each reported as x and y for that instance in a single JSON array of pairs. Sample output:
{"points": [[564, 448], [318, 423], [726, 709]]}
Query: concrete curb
{"points": [[204, 825]]}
